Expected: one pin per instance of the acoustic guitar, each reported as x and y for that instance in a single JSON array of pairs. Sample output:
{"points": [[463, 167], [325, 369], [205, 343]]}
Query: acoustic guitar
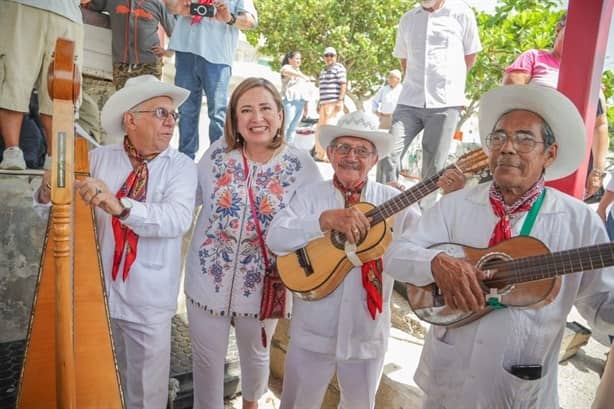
{"points": [[314, 271], [522, 274], [69, 361]]}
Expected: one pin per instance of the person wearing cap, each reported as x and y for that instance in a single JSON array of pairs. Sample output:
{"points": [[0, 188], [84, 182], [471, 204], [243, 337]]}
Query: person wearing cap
{"points": [[333, 85], [347, 331], [531, 135], [437, 42], [143, 195], [385, 100]]}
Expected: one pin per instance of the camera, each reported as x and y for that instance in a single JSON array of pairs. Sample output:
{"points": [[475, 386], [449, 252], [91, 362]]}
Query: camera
{"points": [[203, 10]]}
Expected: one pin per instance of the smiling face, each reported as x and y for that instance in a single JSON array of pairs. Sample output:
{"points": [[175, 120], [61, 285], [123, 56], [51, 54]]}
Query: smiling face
{"points": [[258, 117], [148, 133], [296, 60], [513, 171], [350, 168]]}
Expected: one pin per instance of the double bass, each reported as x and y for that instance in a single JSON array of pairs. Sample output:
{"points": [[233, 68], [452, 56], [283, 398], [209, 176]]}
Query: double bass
{"points": [[69, 359]]}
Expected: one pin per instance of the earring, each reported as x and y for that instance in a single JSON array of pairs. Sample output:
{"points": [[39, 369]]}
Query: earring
{"points": [[277, 134], [238, 139]]}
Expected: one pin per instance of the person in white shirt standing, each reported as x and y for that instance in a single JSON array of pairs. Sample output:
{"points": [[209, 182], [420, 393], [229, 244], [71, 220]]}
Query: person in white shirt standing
{"points": [[437, 42], [385, 101], [143, 193]]}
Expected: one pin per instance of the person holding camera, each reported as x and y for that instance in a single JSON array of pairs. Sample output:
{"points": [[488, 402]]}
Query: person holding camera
{"points": [[205, 40]]}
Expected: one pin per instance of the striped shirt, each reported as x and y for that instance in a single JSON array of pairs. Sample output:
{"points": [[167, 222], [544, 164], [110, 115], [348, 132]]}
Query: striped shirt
{"points": [[331, 79]]}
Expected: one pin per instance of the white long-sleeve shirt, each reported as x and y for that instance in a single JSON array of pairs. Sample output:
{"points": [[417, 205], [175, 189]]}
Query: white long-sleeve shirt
{"points": [[469, 367], [340, 323], [149, 294]]}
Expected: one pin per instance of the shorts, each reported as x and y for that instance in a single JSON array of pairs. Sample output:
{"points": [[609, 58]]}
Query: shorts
{"points": [[28, 40]]}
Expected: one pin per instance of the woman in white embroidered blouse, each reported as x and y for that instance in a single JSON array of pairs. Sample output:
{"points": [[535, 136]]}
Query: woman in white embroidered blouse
{"points": [[225, 263]]}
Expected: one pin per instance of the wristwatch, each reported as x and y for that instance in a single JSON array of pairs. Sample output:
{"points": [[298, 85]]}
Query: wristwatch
{"points": [[233, 20], [127, 206]]}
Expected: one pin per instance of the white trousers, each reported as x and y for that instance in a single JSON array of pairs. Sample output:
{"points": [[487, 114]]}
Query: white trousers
{"points": [[308, 374], [143, 353], [209, 335]]}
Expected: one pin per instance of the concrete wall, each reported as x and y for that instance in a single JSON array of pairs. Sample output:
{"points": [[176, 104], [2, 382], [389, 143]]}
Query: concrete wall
{"points": [[21, 245]]}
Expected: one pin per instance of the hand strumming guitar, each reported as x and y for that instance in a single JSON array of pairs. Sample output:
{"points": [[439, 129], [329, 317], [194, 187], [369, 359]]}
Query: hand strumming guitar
{"points": [[458, 281], [350, 221]]}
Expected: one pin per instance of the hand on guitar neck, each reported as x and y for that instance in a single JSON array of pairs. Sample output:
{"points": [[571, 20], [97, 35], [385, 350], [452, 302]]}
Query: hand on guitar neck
{"points": [[451, 180], [350, 221], [457, 280]]}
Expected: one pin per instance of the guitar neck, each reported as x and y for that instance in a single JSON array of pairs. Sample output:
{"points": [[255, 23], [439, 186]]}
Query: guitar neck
{"points": [[551, 265], [405, 199]]}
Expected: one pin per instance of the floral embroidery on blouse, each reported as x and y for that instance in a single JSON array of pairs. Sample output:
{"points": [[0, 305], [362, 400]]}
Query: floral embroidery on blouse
{"points": [[230, 255]]}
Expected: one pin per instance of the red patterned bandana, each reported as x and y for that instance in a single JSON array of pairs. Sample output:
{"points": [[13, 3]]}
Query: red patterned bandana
{"points": [[197, 19], [503, 229], [135, 187], [371, 270]]}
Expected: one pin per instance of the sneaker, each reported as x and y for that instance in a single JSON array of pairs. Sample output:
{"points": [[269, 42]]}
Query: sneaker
{"points": [[12, 159]]}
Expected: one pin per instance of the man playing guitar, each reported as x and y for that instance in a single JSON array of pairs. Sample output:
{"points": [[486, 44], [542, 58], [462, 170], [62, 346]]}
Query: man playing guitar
{"points": [[507, 358], [346, 331]]}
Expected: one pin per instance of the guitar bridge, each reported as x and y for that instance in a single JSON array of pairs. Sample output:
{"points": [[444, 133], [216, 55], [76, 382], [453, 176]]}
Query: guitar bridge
{"points": [[303, 261]]}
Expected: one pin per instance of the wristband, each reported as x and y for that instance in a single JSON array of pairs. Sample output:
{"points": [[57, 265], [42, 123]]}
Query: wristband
{"points": [[599, 172], [233, 20]]}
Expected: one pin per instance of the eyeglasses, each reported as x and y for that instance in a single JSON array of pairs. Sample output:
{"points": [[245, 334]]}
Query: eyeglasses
{"points": [[521, 141], [330, 55], [345, 149], [161, 113]]}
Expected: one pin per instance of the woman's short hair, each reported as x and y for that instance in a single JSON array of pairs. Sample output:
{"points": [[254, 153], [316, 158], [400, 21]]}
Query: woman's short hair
{"points": [[233, 138]]}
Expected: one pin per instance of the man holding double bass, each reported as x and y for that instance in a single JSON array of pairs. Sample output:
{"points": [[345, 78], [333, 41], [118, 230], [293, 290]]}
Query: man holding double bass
{"points": [[503, 357]]}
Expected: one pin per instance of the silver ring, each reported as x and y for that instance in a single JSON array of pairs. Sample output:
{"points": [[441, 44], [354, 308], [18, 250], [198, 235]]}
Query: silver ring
{"points": [[449, 182], [355, 230]]}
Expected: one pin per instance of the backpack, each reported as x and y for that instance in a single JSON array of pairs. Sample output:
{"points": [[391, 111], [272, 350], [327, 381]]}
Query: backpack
{"points": [[32, 136]]}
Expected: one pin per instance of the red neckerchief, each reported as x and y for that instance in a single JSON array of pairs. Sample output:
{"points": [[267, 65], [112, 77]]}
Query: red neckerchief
{"points": [[196, 19], [135, 187], [371, 270], [503, 229]]}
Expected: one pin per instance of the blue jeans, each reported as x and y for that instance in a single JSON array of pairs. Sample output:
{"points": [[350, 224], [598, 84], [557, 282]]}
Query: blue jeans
{"points": [[294, 113], [196, 74]]}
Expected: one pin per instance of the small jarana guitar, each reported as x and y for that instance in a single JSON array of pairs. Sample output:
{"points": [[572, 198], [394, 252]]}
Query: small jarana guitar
{"points": [[314, 271], [522, 274]]}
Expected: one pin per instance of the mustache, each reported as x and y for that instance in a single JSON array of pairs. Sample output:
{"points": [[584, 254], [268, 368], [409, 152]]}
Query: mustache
{"points": [[350, 164], [508, 162]]}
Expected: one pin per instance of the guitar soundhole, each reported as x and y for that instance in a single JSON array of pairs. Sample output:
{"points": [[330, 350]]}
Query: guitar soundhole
{"points": [[338, 239], [489, 262]]}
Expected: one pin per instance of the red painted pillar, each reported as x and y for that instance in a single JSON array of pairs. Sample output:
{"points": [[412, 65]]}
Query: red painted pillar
{"points": [[584, 48]]}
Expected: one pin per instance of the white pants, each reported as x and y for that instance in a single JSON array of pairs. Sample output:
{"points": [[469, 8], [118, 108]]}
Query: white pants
{"points": [[209, 335], [143, 353], [308, 374]]}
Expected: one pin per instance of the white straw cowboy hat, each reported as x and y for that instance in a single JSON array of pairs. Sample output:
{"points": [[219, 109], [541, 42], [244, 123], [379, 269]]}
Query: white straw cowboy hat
{"points": [[555, 108], [136, 90], [358, 124]]}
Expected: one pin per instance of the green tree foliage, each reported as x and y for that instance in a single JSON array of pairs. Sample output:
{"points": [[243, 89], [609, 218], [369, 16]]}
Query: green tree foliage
{"points": [[363, 32], [608, 89], [515, 26]]}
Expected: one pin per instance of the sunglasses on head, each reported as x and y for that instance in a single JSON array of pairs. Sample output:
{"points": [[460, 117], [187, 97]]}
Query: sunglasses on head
{"points": [[329, 55]]}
